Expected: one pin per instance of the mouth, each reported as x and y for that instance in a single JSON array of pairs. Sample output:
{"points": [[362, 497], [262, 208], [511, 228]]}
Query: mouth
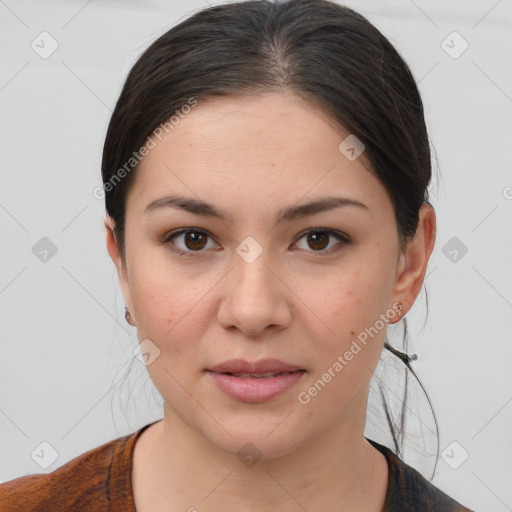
{"points": [[255, 387], [266, 375], [264, 368]]}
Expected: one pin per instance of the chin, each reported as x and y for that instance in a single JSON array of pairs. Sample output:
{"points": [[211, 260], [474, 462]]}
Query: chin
{"points": [[251, 443]]}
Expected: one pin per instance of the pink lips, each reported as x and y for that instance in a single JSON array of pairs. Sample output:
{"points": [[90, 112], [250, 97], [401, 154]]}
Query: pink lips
{"points": [[255, 389]]}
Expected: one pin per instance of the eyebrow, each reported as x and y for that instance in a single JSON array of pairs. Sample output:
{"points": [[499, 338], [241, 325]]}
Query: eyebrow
{"points": [[199, 207]]}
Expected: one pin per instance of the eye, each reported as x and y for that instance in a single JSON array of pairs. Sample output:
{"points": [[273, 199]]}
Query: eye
{"points": [[194, 240], [318, 239]]}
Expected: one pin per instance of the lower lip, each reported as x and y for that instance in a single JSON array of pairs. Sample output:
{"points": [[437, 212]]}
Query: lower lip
{"points": [[255, 390]]}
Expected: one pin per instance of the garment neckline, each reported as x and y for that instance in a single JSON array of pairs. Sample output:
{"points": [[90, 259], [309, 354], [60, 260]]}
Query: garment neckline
{"points": [[120, 487], [391, 460]]}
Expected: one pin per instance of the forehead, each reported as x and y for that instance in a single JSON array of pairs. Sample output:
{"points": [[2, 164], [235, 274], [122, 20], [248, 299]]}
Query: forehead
{"points": [[266, 146]]}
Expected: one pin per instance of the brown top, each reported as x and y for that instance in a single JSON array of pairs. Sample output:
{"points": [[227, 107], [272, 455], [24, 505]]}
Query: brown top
{"points": [[100, 480]]}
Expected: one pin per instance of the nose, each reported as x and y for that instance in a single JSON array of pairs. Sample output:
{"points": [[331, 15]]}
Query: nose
{"points": [[254, 297]]}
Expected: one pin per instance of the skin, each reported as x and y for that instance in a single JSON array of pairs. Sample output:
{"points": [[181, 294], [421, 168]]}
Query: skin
{"points": [[299, 302]]}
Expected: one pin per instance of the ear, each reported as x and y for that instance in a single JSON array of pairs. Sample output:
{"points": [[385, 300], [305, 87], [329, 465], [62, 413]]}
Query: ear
{"points": [[413, 262], [122, 271]]}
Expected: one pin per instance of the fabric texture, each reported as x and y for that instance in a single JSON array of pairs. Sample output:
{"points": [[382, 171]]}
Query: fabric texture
{"points": [[99, 480]]}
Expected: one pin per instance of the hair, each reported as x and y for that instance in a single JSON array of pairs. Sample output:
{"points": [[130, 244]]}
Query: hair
{"points": [[326, 53]]}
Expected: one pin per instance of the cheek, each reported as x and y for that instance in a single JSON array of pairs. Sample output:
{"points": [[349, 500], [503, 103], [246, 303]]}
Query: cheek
{"points": [[345, 361], [172, 311], [170, 315], [160, 300], [355, 316], [353, 299]]}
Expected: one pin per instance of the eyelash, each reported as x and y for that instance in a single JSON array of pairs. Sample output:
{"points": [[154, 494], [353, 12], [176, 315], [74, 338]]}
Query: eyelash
{"points": [[344, 239]]}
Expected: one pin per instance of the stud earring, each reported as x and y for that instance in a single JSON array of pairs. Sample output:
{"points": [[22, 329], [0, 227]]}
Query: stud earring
{"points": [[128, 316]]}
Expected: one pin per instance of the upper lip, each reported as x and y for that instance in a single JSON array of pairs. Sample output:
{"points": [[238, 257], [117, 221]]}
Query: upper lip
{"points": [[261, 366]]}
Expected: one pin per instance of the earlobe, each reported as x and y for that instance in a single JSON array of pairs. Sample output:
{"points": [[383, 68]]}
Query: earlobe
{"points": [[413, 263]]}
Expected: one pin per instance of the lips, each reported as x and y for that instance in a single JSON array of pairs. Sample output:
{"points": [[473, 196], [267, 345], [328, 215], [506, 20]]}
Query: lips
{"points": [[257, 369], [253, 389], [257, 375]]}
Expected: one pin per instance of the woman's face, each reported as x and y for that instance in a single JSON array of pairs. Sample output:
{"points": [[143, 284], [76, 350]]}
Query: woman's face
{"points": [[261, 281]]}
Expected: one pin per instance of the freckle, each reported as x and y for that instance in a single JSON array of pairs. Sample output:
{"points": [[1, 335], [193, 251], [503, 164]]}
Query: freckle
{"points": [[352, 333], [359, 301]]}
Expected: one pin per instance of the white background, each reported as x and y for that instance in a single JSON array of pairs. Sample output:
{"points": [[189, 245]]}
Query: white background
{"points": [[65, 344]]}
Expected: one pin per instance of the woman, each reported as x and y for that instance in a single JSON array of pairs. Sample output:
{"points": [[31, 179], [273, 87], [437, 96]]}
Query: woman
{"points": [[265, 174]]}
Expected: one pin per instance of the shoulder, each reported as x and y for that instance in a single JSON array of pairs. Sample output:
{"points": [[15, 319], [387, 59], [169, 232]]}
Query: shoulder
{"points": [[80, 484], [409, 491]]}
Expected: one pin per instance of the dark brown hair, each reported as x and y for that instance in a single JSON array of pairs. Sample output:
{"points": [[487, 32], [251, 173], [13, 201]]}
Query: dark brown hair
{"points": [[328, 54]]}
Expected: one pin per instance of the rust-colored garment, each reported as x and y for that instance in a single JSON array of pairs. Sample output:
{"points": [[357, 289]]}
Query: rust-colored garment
{"points": [[99, 480]]}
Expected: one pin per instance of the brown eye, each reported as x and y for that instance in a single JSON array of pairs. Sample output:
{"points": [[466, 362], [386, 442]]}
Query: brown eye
{"points": [[319, 239], [188, 241]]}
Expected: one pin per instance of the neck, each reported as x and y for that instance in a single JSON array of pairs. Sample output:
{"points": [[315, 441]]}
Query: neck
{"points": [[179, 467]]}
